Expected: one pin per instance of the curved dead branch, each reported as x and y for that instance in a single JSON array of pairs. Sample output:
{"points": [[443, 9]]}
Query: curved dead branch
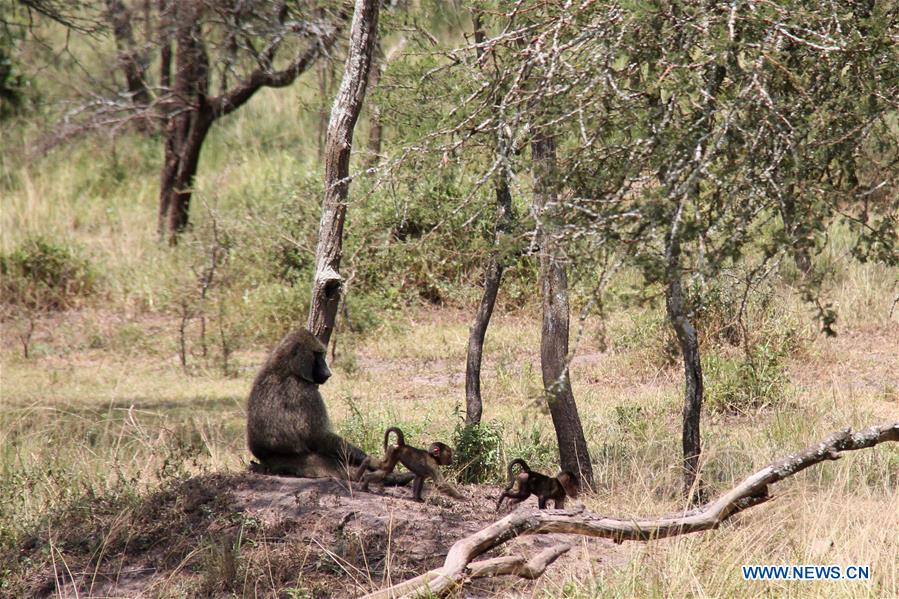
{"points": [[753, 490]]}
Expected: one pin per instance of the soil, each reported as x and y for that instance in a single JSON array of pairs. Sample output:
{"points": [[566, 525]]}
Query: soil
{"points": [[252, 534]]}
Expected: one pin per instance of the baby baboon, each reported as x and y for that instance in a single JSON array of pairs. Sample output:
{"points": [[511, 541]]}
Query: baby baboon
{"points": [[288, 429], [544, 487], [423, 464]]}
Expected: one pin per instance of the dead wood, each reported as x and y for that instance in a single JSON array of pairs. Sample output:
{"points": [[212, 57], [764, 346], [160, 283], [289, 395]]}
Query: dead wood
{"points": [[753, 490]]}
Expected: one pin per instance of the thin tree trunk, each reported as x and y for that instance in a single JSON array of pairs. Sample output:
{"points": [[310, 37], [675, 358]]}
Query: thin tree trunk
{"points": [[165, 49], [327, 284], [573, 452], [129, 57], [693, 387], [492, 273], [492, 278]]}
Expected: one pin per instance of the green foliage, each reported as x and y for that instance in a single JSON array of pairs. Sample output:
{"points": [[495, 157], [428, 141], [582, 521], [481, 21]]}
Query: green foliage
{"points": [[41, 274], [745, 384], [478, 450], [366, 429], [650, 338], [538, 450]]}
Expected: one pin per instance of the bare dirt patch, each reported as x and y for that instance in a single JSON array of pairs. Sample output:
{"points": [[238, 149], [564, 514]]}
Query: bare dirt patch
{"points": [[249, 534]]}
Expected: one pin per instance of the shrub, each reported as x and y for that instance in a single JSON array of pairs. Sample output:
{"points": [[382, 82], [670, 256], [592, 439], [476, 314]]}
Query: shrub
{"points": [[740, 385], [478, 451], [44, 275]]}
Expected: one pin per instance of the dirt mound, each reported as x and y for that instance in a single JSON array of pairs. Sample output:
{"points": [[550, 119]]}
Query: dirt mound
{"points": [[251, 534]]}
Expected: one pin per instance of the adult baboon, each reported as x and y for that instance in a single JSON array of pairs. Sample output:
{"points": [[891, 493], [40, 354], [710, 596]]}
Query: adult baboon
{"points": [[288, 429]]}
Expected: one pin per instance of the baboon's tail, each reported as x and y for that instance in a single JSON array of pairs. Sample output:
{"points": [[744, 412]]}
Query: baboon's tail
{"points": [[517, 462], [400, 439]]}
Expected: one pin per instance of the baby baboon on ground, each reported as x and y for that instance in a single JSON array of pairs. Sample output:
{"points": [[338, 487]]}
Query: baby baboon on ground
{"points": [[544, 487], [288, 429], [423, 464]]}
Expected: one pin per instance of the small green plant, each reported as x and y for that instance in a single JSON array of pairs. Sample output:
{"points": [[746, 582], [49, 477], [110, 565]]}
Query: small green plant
{"points": [[44, 275], [740, 385], [366, 429], [531, 446], [478, 451]]}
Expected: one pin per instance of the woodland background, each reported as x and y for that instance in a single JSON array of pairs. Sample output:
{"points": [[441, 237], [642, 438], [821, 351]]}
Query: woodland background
{"points": [[741, 157]]}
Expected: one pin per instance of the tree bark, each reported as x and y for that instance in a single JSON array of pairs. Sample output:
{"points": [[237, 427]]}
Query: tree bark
{"points": [[328, 284], [188, 123], [689, 346], [573, 452], [165, 45], [129, 57], [494, 270]]}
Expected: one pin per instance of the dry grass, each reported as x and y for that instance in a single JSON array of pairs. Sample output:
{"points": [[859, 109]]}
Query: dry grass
{"points": [[94, 417], [103, 405]]}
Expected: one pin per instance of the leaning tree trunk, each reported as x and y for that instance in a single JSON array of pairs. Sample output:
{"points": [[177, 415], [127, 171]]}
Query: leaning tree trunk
{"points": [[573, 452], [494, 271], [327, 284], [693, 391], [184, 141], [492, 278]]}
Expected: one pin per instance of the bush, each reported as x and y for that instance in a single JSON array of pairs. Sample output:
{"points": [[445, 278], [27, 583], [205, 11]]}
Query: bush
{"points": [[746, 384], [44, 275], [478, 451]]}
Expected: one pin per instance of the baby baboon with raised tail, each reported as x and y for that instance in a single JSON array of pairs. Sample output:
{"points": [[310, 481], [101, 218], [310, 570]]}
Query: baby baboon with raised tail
{"points": [[288, 429], [423, 464]]}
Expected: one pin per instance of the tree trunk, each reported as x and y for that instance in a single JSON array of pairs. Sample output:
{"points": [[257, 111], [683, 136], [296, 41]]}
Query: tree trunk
{"points": [[165, 45], [129, 58], [495, 265], [693, 390], [184, 141], [327, 284], [190, 111], [492, 277], [188, 124], [573, 452]]}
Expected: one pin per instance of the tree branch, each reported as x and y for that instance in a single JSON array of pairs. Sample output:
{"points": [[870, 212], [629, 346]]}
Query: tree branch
{"points": [[752, 491], [230, 100]]}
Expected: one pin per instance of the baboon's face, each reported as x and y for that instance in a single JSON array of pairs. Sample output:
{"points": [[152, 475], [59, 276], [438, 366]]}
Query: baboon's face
{"points": [[442, 453], [570, 483], [307, 359]]}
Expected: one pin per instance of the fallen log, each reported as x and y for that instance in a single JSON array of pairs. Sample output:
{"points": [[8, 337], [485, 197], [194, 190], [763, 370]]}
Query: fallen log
{"points": [[752, 491]]}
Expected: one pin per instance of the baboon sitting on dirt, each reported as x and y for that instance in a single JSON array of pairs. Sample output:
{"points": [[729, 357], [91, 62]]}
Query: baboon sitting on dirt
{"points": [[288, 429]]}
